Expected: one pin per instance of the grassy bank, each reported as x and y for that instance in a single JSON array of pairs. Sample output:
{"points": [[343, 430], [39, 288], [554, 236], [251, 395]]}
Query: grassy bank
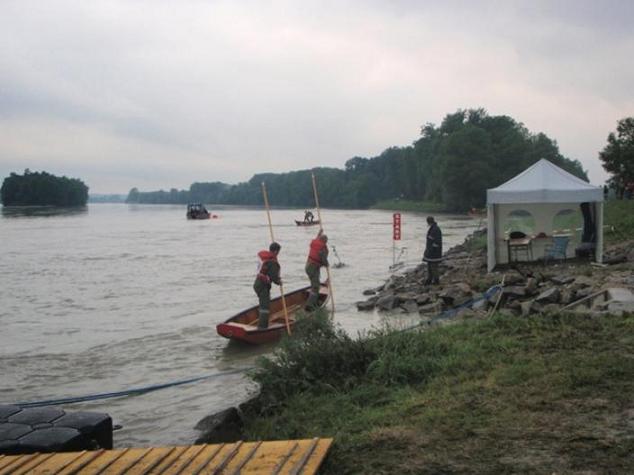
{"points": [[619, 220], [507, 394], [405, 205], [541, 394]]}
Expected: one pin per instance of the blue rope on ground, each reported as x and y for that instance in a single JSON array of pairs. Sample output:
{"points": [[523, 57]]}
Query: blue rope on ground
{"points": [[127, 392]]}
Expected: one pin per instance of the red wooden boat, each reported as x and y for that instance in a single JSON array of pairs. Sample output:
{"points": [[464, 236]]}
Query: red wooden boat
{"points": [[244, 325], [307, 223]]}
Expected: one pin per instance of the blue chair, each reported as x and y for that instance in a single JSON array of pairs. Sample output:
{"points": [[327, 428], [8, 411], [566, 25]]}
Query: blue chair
{"points": [[557, 250]]}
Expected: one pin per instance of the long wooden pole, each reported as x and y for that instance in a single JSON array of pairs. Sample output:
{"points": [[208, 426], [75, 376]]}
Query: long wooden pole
{"points": [[268, 215], [321, 227]]}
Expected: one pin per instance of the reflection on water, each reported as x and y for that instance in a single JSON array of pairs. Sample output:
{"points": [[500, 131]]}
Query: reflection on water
{"points": [[120, 296], [42, 211]]}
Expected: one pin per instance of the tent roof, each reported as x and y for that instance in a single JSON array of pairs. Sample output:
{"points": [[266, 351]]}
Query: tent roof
{"points": [[544, 183]]}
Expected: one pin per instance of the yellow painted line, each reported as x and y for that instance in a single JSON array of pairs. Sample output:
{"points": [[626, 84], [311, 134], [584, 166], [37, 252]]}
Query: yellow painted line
{"points": [[241, 458]]}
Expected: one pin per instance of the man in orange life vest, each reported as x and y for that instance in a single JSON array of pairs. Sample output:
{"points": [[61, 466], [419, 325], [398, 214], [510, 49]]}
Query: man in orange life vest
{"points": [[317, 258], [268, 271]]}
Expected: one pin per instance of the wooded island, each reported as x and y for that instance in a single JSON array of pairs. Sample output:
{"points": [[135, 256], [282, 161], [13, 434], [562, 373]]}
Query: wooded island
{"points": [[42, 189]]}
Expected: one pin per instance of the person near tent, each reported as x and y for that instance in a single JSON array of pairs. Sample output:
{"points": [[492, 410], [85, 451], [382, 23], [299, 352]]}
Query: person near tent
{"points": [[268, 272], [308, 216], [433, 252], [317, 258]]}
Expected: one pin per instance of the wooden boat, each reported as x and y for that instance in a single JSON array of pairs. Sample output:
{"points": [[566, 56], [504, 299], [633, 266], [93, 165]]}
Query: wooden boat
{"points": [[244, 325], [307, 223]]}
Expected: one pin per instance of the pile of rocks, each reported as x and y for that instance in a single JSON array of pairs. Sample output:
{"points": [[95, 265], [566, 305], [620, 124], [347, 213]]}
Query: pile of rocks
{"points": [[528, 287]]}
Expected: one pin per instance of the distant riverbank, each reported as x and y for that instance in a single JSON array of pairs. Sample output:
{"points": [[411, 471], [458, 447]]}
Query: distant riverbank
{"points": [[415, 206]]}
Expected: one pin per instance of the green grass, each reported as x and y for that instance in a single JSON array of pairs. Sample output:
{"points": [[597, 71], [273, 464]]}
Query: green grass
{"points": [[537, 395], [405, 205], [619, 220]]}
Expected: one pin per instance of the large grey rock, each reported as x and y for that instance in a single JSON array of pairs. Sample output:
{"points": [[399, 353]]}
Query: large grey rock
{"points": [[432, 308], [549, 296], [387, 302], [369, 292], [456, 294], [409, 306], [621, 307], [224, 426], [514, 292], [405, 296], [583, 292], [562, 279], [423, 299], [583, 281], [365, 305]]}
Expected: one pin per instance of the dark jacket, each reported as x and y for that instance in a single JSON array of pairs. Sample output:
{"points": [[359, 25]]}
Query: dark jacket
{"points": [[433, 248], [269, 270]]}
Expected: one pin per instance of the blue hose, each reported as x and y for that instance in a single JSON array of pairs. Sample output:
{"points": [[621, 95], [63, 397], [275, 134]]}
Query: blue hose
{"points": [[127, 392]]}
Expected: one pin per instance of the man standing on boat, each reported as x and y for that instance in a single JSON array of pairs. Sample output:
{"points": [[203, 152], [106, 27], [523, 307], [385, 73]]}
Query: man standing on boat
{"points": [[317, 258], [433, 252], [268, 271]]}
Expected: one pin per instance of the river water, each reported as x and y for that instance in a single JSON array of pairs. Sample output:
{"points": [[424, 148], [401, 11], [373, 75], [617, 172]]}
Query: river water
{"points": [[117, 296]]}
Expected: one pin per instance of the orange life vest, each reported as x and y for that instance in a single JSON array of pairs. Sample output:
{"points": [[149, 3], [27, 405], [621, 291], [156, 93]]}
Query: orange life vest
{"points": [[316, 246]]}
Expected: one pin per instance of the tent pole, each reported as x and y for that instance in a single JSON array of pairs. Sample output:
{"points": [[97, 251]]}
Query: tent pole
{"points": [[598, 252], [491, 237]]}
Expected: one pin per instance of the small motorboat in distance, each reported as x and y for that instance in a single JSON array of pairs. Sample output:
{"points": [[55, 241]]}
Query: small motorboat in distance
{"points": [[307, 223], [244, 325], [197, 211]]}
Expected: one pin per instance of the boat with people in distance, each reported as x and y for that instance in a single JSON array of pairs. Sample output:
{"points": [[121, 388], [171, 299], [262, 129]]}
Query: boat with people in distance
{"points": [[197, 211], [307, 223], [244, 325]]}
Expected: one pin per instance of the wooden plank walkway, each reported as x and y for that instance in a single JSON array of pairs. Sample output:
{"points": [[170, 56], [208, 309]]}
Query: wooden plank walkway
{"points": [[279, 457]]}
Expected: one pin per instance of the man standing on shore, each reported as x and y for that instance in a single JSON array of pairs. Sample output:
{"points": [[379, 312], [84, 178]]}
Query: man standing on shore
{"points": [[433, 252], [268, 271], [317, 258]]}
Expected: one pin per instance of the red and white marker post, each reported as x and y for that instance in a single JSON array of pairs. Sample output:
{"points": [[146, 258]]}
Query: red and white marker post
{"points": [[396, 234]]}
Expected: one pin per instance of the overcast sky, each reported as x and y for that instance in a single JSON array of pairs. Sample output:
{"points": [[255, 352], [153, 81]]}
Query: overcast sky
{"points": [[159, 94]]}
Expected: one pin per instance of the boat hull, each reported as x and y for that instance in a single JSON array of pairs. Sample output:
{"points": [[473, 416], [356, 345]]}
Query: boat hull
{"points": [[307, 223], [243, 326]]}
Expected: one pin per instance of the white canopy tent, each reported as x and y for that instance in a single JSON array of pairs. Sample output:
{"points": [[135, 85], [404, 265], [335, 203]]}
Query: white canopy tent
{"points": [[540, 193]]}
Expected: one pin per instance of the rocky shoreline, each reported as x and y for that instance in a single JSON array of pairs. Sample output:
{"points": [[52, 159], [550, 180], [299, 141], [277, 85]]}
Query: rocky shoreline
{"points": [[467, 291], [524, 289]]}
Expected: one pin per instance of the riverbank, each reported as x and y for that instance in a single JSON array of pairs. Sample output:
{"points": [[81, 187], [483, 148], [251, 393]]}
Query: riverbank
{"points": [[407, 205], [528, 389]]}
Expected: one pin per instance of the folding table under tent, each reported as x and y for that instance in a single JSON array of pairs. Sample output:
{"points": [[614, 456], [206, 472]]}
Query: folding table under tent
{"points": [[540, 193]]}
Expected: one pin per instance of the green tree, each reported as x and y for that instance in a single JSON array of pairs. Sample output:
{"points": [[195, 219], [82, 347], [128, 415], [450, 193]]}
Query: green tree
{"points": [[618, 155], [42, 189]]}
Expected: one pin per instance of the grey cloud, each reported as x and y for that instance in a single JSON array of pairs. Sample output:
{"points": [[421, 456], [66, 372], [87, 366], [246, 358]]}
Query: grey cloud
{"points": [[230, 89]]}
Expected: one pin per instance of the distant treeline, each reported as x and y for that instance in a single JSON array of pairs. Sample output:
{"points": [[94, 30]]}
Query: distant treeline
{"points": [[42, 189], [111, 198], [453, 164]]}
